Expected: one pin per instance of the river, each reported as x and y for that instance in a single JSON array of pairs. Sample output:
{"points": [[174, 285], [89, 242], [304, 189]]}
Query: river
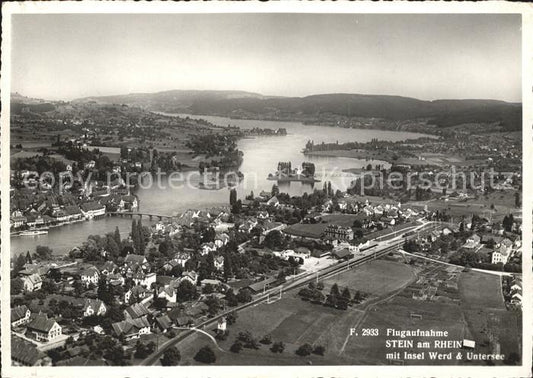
{"points": [[261, 156]]}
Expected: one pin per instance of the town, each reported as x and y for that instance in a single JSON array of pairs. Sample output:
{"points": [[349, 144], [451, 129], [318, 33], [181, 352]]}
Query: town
{"points": [[113, 300], [240, 189]]}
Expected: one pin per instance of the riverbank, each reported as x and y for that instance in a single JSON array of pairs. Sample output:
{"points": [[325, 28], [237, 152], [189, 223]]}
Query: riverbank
{"points": [[338, 122], [366, 155]]}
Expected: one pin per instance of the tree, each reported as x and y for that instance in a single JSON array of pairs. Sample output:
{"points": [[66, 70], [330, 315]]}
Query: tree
{"points": [[228, 266], [213, 304], [334, 296], [267, 339], [116, 236], [508, 222], [320, 350], [18, 265], [209, 235], [244, 296], [160, 303], [277, 347], [142, 242], [304, 350], [171, 357], [344, 299], [43, 252], [274, 240], [231, 318], [112, 247], [232, 197], [231, 298], [186, 291], [205, 355], [135, 235], [236, 347], [346, 294], [144, 350], [208, 289], [517, 200], [49, 286], [17, 286], [275, 190], [29, 260], [104, 292], [248, 340], [334, 290], [237, 207]]}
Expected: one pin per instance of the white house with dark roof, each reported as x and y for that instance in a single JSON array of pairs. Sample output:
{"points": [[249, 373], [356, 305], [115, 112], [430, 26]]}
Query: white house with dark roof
{"points": [[32, 282], [190, 276], [472, 242], [92, 209], [131, 328], [20, 315], [90, 276], [135, 311], [43, 329], [94, 307], [500, 255], [136, 292], [144, 279], [169, 293]]}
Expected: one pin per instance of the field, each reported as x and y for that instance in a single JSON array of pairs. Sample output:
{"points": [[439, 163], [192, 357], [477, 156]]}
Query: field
{"points": [[490, 323], [376, 278], [503, 205], [296, 322], [478, 313], [315, 230], [474, 310]]}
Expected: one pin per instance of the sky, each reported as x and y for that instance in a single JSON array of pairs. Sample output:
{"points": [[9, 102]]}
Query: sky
{"points": [[67, 56]]}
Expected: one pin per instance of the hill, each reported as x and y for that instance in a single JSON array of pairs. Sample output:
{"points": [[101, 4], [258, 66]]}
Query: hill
{"points": [[443, 113]]}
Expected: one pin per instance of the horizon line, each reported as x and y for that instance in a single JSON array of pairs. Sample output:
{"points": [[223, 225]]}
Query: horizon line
{"points": [[264, 95]]}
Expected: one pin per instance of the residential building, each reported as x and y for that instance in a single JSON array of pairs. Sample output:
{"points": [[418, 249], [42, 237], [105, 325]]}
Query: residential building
{"points": [[135, 311], [472, 242], [131, 328], [20, 315], [222, 324], [144, 279], [190, 276], [94, 307], [32, 282], [336, 232], [89, 276], [92, 209], [25, 353], [43, 329]]}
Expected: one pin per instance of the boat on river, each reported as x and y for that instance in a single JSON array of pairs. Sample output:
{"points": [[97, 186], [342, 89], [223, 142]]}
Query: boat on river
{"points": [[34, 232]]}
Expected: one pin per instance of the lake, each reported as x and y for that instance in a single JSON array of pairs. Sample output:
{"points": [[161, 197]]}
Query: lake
{"points": [[261, 156]]}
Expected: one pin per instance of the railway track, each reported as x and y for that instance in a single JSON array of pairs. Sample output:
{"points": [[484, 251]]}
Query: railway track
{"points": [[323, 274]]}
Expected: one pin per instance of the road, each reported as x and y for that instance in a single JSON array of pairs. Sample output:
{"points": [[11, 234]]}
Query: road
{"points": [[382, 249]]}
